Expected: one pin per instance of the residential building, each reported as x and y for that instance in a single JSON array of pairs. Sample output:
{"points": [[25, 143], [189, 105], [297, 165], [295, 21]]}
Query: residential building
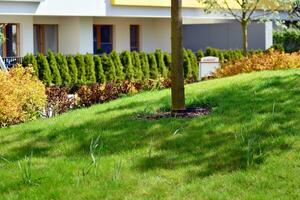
{"points": [[94, 26]]}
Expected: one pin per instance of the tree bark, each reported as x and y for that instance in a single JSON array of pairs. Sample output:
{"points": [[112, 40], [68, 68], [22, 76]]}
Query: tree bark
{"points": [[245, 37], [178, 96]]}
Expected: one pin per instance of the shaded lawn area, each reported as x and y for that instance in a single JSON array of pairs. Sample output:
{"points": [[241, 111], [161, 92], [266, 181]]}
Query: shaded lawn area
{"points": [[247, 148]]}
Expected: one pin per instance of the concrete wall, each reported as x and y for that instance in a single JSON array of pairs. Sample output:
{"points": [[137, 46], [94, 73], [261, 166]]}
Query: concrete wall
{"points": [[227, 36]]}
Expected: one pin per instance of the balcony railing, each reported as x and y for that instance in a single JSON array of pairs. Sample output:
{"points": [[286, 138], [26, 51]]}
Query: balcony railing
{"points": [[12, 61]]}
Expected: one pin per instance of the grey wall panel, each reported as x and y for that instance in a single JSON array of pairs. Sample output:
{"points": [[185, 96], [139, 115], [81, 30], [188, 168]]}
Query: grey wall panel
{"points": [[226, 36]]}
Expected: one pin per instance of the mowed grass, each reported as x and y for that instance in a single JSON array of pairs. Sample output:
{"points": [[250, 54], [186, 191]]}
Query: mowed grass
{"points": [[247, 148]]}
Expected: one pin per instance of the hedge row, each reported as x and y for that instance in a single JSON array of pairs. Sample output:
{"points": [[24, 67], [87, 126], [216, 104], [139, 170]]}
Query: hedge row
{"points": [[61, 70], [289, 39]]}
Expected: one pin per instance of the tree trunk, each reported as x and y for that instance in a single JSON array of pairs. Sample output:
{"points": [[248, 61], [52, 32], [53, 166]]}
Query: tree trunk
{"points": [[245, 37], [178, 96]]}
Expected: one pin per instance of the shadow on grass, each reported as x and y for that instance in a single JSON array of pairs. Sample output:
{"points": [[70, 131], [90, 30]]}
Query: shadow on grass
{"points": [[247, 123]]}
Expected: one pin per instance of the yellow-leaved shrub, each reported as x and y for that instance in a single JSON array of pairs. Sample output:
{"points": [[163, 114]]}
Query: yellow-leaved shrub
{"points": [[22, 96], [272, 60]]}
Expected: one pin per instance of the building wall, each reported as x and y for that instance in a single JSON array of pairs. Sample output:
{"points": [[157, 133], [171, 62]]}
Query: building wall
{"points": [[26, 31], [227, 36], [154, 33]]}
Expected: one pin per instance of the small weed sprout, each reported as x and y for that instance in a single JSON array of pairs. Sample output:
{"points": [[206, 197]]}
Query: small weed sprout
{"points": [[117, 171], [26, 171], [93, 147]]}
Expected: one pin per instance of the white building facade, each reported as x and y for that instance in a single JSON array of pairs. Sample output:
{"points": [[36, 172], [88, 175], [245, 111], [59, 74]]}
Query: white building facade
{"points": [[95, 26]]}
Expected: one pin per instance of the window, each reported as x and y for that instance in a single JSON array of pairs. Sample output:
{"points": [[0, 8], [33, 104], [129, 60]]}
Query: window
{"points": [[10, 45], [103, 38], [45, 38], [134, 38]]}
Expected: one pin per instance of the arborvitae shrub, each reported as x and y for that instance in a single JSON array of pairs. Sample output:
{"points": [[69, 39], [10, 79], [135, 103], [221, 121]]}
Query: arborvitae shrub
{"points": [[29, 60], [187, 66], [63, 69], [118, 65], [160, 63], [100, 76], [89, 68], [56, 78], [44, 69], [109, 68], [72, 69], [127, 64], [168, 60], [145, 66], [153, 66], [199, 55], [212, 52], [138, 73], [194, 64], [79, 60]]}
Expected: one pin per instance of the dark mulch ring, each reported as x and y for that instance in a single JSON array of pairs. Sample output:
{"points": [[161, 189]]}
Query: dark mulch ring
{"points": [[188, 113]]}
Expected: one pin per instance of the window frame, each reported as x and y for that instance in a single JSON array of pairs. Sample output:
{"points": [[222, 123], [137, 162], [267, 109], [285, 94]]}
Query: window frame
{"points": [[138, 39], [4, 44], [99, 43], [41, 35]]}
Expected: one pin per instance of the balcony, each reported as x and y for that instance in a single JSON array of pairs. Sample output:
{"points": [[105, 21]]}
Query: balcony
{"points": [[12, 61]]}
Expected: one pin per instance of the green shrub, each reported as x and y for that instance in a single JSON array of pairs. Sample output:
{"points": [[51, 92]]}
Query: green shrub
{"points": [[79, 60], [145, 66], [168, 60], [29, 60], [72, 69], [277, 47], [100, 76], [212, 52], [63, 69], [160, 63], [288, 38], [89, 68], [43, 69], [138, 73], [199, 55], [127, 64], [153, 66], [56, 78], [187, 66], [194, 64], [109, 68], [118, 65]]}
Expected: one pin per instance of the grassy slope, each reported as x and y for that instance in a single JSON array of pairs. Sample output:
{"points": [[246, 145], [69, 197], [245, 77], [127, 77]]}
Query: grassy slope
{"points": [[248, 148]]}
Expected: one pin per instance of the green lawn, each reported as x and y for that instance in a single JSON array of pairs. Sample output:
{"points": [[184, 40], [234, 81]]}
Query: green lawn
{"points": [[247, 148]]}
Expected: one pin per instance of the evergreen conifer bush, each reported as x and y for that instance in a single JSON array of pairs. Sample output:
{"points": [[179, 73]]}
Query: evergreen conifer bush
{"points": [[56, 78], [72, 69], [100, 76], [63, 68], [30, 60], [118, 65], [199, 55], [194, 63], [136, 62], [160, 63], [145, 66], [153, 66], [79, 60], [168, 60], [44, 69], [127, 64], [89, 68], [109, 68], [187, 66]]}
